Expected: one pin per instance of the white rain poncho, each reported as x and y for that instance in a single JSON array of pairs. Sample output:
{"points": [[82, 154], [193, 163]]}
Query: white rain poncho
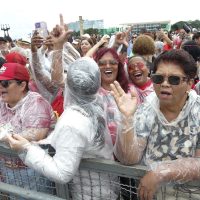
{"points": [[42, 77], [166, 148], [42, 69], [168, 140], [80, 132]]}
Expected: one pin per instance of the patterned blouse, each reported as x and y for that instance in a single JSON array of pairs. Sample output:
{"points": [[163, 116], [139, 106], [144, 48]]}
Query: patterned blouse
{"points": [[168, 140], [33, 111]]}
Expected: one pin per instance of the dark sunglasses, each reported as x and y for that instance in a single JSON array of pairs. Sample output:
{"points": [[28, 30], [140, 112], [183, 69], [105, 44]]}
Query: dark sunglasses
{"points": [[6, 83], [105, 62], [172, 80]]}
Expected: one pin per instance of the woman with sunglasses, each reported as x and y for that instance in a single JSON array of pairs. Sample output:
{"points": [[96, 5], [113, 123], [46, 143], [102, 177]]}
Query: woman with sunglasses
{"points": [[139, 76], [139, 67], [24, 113], [111, 69], [163, 133]]}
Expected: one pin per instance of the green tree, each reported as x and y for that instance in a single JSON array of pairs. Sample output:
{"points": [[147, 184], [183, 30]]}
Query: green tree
{"points": [[91, 31], [179, 25], [195, 24]]}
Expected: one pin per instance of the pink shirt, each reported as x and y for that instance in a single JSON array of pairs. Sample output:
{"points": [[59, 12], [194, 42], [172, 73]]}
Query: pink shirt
{"points": [[33, 111]]}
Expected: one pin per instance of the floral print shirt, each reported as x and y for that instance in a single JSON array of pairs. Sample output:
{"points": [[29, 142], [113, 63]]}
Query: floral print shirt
{"points": [[168, 140]]}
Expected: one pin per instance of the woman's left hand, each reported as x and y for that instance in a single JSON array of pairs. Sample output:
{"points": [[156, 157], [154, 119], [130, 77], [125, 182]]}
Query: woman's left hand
{"points": [[148, 186], [17, 142]]}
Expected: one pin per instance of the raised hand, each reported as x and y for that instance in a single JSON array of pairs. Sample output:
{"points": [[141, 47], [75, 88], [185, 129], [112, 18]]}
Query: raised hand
{"points": [[105, 39], [127, 33], [121, 38], [59, 35], [36, 41], [126, 103]]}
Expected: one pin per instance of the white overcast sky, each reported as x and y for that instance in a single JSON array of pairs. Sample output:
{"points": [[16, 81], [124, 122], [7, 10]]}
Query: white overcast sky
{"points": [[21, 15]]}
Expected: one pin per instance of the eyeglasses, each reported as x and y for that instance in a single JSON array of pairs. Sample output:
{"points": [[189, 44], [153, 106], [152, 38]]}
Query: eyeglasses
{"points": [[6, 83], [103, 63], [172, 80], [139, 65]]}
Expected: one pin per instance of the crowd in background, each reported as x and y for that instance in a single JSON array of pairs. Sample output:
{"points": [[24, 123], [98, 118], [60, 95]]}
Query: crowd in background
{"points": [[128, 97]]}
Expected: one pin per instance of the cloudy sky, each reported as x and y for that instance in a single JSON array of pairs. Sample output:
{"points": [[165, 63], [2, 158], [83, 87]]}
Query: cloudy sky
{"points": [[21, 15]]}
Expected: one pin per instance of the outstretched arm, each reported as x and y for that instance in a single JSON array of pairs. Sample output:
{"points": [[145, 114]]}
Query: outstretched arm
{"points": [[40, 75], [63, 165], [59, 36], [93, 50]]}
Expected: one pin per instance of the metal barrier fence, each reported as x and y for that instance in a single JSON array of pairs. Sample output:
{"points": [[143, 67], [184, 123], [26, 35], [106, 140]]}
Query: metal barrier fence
{"points": [[95, 180]]}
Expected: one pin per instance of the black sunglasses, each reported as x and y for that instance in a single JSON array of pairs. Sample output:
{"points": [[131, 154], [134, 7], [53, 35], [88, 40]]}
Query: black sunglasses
{"points": [[6, 83], [172, 80]]}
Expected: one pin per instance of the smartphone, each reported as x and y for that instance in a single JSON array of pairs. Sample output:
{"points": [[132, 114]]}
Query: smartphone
{"points": [[41, 27]]}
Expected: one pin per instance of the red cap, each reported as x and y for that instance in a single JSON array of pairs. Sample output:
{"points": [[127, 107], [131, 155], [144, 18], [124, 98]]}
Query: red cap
{"points": [[10, 71], [15, 57]]}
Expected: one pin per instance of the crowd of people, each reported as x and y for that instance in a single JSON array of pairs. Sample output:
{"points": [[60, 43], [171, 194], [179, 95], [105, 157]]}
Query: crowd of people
{"points": [[129, 97]]}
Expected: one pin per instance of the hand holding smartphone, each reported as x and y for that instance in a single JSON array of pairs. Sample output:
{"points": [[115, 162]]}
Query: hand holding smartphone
{"points": [[41, 28]]}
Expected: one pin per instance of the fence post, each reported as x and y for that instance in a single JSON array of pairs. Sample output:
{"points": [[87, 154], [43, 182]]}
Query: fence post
{"points": [[63, 191]]}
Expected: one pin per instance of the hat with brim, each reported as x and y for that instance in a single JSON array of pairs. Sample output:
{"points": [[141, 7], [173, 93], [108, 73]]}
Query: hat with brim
{"points": [[15, 57], [14, 71]]}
